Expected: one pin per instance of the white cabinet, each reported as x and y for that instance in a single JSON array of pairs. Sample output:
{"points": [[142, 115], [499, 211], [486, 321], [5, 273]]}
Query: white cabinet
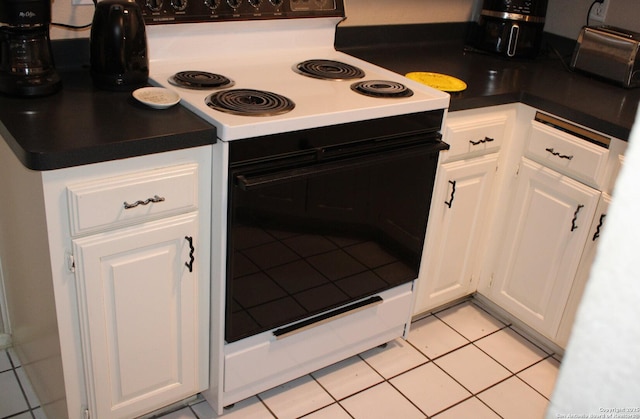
{"points": [[138, 291], [460, 214], [135, 245], [584, 269], [461, 210], [545, 235], [103, 251]]}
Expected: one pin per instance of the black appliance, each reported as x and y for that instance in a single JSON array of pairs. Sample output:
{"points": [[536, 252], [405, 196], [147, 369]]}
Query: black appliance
{"points": [[511, 28], [322, 217], [26, 61], [119, 59]]}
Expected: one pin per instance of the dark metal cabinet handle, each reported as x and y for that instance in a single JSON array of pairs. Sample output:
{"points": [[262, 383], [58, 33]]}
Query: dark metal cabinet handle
{"points": [[555, 153], [575, 217], [155, 199], [191, 252], [597, 233], [484, 140], [453, 191]]}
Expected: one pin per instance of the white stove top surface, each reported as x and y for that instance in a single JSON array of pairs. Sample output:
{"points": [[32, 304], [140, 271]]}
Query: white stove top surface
{"points": [[254, 66]]}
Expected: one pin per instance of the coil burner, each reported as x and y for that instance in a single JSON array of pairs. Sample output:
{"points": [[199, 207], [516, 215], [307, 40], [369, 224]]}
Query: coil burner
{"points": [[248, 102], [200, 80], [382, 88], [328, 70]]}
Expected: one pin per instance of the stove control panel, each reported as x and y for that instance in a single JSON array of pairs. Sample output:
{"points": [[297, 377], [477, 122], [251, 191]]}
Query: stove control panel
{"points": [[157, 12]]}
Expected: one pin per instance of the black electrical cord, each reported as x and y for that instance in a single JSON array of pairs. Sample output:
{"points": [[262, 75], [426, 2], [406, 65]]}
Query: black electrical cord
{"points": [[75, 27], [591, 8]]}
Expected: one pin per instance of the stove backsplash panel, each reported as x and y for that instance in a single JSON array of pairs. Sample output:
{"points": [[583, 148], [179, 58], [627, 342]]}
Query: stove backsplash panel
{"points": [[183, 11]]}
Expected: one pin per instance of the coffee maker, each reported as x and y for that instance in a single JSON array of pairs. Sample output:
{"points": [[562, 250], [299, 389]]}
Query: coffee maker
{"points": [[26, 61], [511, 28]]}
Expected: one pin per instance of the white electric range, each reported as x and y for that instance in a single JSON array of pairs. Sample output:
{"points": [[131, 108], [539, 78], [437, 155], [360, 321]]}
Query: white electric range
{"points": [[266, 74]]}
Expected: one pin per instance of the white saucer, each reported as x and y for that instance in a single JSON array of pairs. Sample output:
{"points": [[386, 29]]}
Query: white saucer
{"points": [[156, 97]]}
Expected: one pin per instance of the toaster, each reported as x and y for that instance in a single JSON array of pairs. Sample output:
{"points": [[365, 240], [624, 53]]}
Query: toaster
{"points": [[609, 52]]}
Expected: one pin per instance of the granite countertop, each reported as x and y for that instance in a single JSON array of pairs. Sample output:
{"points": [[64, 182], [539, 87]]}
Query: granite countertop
{"points": [[82, 125], [545, 82]]}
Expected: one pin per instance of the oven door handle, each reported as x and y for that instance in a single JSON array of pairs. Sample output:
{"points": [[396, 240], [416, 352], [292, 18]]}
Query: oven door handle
{"points": [[327, 317], [254, 181]]}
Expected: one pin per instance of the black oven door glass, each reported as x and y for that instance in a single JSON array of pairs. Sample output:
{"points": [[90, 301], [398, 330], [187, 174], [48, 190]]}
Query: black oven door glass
{"points": [[314, 234]]}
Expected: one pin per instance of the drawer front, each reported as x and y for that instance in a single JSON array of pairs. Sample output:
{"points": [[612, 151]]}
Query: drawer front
{"points": [[111, 202], [474, 135], [262, 361], [568, 154]]}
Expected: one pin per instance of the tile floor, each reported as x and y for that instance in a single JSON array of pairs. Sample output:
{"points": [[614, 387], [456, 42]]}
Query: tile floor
{"points": [[460, 362]]}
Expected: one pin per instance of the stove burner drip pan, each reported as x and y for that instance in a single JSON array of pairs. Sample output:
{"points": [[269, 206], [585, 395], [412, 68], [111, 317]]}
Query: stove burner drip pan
{"points": [[200, 80], [249, 102], [328, 70], [382, 89]]}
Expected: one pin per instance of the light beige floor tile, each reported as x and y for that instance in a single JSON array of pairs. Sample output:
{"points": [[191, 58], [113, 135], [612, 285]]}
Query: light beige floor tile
{"points": [[28, 390], [470, 321], [434, 338], [4, 361], [248, 408], [347, 377], [296, 398], [470, 408], [429, 388], [542, 376], [397, 357], [11, 399], [380, 402], [334, 411], [511, 350], [513, 399], [473, 368]]}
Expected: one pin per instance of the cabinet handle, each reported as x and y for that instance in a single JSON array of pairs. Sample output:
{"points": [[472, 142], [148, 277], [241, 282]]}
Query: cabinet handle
{"points": [[484, 140], [155, 198], [575, 217], [192, 250], [453, 191], [597, 233], [555, 153]]}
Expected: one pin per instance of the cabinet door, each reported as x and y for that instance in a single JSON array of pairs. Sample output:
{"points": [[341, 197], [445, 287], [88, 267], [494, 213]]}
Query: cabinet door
{"points": [[584, 269], [545, 235], [455, 240], [139, 302]]}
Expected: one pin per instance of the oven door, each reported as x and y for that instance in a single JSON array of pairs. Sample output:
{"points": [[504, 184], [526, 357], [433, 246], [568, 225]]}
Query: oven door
{"points": [[323, 228]]}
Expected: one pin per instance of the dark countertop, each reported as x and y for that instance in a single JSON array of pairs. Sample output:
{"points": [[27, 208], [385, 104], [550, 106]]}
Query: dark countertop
{"points": [[543, 83], [81, 125]]}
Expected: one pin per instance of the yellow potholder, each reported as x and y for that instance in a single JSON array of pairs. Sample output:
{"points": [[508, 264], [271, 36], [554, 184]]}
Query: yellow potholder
{"points": [[438, 81]]}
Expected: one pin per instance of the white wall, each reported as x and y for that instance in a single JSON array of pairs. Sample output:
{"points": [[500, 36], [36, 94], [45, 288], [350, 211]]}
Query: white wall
{"points": [[564, 17]]}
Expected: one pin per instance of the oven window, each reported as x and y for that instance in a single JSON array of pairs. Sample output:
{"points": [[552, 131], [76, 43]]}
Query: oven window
{"points": [[300, 245]]}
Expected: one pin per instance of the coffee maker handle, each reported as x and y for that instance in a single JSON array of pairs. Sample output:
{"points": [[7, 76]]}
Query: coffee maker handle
{"points": [[116, 23], [513, 40]]}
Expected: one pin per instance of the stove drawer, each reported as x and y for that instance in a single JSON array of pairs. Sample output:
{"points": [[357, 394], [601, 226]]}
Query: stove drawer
{"points": [[260, 362], [121, 200]]}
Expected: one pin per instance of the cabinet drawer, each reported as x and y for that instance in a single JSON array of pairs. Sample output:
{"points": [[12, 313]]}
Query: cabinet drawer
{"points": [[474, 135], [114, 201], [567, 154]]}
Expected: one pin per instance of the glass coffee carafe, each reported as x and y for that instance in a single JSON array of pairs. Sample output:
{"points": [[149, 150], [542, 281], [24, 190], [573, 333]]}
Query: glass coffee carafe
{"points": [[26, 61]]}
